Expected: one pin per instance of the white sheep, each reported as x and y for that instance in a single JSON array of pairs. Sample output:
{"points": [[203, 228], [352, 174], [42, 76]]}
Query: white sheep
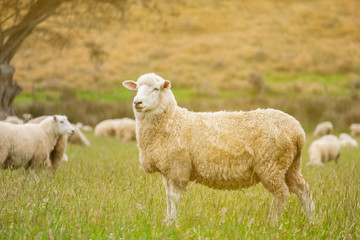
{"points": [[323, 128], [223, 150], [77, 138], [347, 141], [323, 150], [123, 129], [30, 145], [355, 129], [13, 120]]}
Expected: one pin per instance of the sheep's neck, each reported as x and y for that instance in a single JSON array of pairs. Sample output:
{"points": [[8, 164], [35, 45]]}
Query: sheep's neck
{"points": [[51, 135]]}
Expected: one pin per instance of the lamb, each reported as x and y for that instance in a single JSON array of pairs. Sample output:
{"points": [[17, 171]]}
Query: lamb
{"points": [[123, 129], [355, 129], [223, 150], [323, 128], [323, 150], [30, 145], [347, 141]]}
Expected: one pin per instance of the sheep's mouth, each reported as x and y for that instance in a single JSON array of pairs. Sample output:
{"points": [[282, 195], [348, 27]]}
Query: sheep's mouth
{"points": [[140, 109]]}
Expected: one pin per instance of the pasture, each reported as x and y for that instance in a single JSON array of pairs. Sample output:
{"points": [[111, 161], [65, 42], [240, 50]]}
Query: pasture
{"points": [[102, 194]]}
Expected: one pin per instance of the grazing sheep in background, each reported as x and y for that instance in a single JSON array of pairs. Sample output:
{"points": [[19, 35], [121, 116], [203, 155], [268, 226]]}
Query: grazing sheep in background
{"points": [[323, 150], [30, 145], [123, 129], [347, 141], [323, 128], [355, 129], [27, 117], [106, 128], [84, 127], [223, 150], [13, 120], [77, 138]]}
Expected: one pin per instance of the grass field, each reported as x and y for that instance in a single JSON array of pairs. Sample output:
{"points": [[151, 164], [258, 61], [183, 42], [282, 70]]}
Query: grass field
{"points": [[102, 194]]}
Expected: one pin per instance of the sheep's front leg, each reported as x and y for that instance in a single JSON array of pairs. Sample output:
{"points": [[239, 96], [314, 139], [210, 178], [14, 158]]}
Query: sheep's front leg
{"points": [[173, 199], [168, 198]]}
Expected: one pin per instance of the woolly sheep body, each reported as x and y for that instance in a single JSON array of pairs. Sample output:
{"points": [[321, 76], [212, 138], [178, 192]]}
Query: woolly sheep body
{"points": [[29, 145], [13, 120], [123, 129], [324, 149], [355, 129], [224, 150], [347, 141], [323, 128]]}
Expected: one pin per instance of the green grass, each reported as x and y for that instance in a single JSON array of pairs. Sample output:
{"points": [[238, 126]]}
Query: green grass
{"points": [[102, 194]]}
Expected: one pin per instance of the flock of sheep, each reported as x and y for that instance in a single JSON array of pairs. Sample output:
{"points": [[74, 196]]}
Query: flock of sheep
{"points": [[34, 142], [223, 150], [328, 146]]}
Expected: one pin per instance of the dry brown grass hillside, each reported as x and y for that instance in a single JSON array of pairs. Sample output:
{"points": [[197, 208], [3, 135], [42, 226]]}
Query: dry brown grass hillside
{"points": [[205, 44]]}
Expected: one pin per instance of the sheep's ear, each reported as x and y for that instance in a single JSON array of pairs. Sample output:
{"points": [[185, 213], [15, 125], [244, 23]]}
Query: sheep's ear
{"points": [[167, 84], [54, 118], [130, 85]]}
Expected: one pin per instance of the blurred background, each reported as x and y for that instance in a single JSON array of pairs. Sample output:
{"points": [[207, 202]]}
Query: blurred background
{"points": [[300, 56]]}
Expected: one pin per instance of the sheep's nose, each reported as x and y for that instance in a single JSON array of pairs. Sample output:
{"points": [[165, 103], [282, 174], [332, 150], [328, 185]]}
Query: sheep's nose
{"points": [[72, 132], [137, 103]]}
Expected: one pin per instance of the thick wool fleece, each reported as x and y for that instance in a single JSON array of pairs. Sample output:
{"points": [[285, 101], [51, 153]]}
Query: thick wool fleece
{"points": [[324, 149], [122, 128], [225, 150], [323, 128], [27, 145]]}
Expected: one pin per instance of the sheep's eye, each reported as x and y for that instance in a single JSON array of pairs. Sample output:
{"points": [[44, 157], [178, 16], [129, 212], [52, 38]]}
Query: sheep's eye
{"points": [[61, 121], [156, 89]]}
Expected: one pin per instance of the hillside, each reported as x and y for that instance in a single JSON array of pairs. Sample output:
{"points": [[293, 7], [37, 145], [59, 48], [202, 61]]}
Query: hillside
{"points": [[207, 45]]}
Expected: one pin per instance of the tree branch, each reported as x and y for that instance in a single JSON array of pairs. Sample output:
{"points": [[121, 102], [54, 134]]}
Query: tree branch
{"points": [[37, 13]]}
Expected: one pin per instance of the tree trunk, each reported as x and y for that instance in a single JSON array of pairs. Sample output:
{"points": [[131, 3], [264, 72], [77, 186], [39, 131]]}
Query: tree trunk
{"points": [[9, 89]]}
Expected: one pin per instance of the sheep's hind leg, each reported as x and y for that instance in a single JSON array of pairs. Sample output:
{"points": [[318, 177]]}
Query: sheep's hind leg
{"points": [[279, 189], [297, 185]]}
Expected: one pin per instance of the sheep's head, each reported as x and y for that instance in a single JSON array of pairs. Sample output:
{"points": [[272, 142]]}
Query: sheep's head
{"points": [[64, 125], [150, 88]]}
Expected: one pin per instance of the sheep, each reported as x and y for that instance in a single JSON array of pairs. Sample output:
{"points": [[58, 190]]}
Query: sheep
{"points": [[123, 129], [355, 129], [26, 117], [13, 120], [58, 154], [30, 145], [223, 150], [84, 127], [323, 128], [347, 141], [323, 150], [77, 138]]}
